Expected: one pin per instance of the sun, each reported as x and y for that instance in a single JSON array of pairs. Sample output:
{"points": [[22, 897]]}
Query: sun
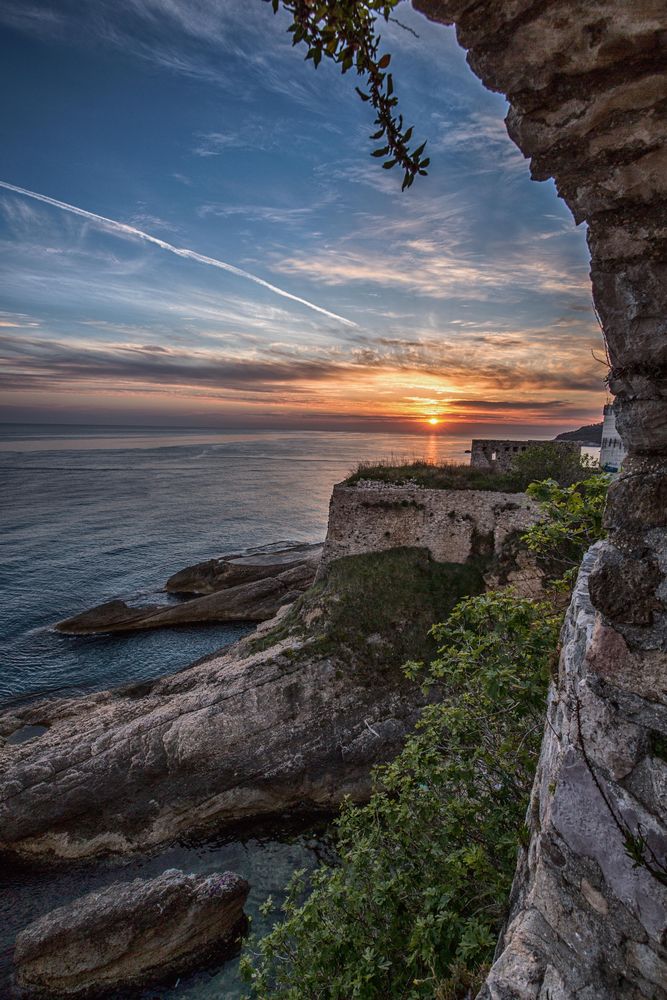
{"points": [[433, 421]]}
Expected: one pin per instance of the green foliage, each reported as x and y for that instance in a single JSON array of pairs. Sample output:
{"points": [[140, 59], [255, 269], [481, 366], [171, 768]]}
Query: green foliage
{"points": [[550, 460], [415, 904], [442, 476], [345, 32], [573, 521], [374, 610]]}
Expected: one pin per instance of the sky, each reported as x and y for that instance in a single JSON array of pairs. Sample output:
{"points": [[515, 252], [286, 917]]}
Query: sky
{"points": [[193, 233]]}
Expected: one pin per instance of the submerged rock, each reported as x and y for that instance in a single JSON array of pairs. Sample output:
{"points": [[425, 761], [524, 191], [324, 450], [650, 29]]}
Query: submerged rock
{"points": [[129, 933]]}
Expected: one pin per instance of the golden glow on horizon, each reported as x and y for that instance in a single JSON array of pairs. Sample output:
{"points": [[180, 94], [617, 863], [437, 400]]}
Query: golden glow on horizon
{"points": [[433, 421]]}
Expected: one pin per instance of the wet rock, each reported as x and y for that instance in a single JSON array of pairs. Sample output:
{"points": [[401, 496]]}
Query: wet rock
{"points": [[129, 933]]}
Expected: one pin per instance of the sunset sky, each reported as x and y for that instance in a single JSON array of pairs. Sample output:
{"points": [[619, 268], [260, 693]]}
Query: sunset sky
{"points": [[465, 299]]}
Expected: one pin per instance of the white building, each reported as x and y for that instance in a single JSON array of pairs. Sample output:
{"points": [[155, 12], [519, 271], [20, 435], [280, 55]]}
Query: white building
{"points": [[612, 451]]}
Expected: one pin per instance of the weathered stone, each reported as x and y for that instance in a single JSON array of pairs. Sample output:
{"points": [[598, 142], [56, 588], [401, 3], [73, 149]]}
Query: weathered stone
{"points": [[230, 571], [585, 921], [129, 933], [454, 525], [256, 601], [624, 589], [587, 85]]}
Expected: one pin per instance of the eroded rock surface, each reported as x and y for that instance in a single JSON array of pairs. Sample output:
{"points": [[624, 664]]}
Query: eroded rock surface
{"points": [[231, 571], [238, 588], [586, 921], [129, 933], [587, 87]]}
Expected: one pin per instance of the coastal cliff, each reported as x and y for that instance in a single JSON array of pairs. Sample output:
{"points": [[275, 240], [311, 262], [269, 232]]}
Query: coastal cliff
{"points": [[292, 718]]}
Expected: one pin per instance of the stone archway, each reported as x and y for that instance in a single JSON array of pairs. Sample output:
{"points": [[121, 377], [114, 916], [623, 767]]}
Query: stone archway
{"points": [[587, 85]]}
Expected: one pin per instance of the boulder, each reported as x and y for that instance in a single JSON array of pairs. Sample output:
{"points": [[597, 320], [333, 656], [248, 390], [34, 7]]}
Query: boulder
{"points": [[130, 933]]}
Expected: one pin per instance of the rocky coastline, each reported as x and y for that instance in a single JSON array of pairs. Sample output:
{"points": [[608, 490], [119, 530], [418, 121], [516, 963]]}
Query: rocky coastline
{"points": [[287, 721]]}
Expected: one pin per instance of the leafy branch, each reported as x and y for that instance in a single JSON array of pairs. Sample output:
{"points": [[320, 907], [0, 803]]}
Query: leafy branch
{"points": [[344, 31]]}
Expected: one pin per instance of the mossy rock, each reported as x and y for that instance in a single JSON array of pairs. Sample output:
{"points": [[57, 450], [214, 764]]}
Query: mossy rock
{"points": [[372, 612]]}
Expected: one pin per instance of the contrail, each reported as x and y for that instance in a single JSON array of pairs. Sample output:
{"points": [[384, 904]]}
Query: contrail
{"points": [[122, 227]]}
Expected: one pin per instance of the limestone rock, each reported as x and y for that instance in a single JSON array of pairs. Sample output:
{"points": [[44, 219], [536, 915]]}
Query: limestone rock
{"points": [[129, 933], [585, 921]]}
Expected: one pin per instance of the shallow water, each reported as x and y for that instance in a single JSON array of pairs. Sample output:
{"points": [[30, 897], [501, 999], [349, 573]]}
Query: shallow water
{"points": [[89, 516]]}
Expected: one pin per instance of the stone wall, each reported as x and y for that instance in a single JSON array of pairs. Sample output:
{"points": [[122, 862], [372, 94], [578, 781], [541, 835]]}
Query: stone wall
{"points": [[499, 454], [587, 87], [454, 525]]}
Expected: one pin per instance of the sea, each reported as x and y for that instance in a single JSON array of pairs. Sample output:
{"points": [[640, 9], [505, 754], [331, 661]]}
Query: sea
{"points": [[90, 514]]}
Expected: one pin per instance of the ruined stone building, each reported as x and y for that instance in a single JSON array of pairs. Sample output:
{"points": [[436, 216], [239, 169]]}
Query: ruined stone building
{"points": [[498, 455]]}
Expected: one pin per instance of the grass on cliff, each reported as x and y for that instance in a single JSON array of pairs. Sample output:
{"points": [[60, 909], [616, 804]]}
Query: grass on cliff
{"points": [[432, 476], [374, 611], [539, 462], [415, 904]]}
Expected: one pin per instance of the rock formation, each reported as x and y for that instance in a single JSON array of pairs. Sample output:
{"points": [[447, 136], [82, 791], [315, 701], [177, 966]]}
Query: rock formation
{"points": [[587, 86], [237, 588], [129, 933], [290, 718], [231, 571]]}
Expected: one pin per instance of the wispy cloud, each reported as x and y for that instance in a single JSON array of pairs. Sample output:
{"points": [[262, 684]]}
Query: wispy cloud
{"points": [[113, 225]]}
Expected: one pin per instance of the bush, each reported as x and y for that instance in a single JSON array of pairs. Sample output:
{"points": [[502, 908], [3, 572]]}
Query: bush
{"points": [[549, 461], [573, 521], [414, 907]]}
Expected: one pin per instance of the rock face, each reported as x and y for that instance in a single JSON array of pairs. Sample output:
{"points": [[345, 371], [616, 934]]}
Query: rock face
{"points": [[585, 921], [129, 933], [587, 87], [454, 525], [240, 588]]}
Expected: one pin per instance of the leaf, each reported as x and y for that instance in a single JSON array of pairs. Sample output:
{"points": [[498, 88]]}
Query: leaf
{"points": [[384, 61]]}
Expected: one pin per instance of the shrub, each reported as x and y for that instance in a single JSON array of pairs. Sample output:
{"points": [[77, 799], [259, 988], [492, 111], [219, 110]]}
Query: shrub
{"points": [[416, 902], [573, 521], [549, 461]]}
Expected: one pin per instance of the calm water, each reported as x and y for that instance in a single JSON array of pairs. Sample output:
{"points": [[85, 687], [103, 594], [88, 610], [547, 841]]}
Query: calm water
{"points": [[88, 516]]}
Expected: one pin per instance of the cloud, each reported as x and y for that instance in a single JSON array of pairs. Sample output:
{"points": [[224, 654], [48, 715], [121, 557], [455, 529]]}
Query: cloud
{"points": [[423, 266], [120, 227]]}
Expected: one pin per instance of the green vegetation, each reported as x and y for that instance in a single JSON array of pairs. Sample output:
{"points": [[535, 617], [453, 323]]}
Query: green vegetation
{"points": [[550, 461], [375, 610], [415, 902], [573, 520], [414, 907], [539, 462], [432, 476], [345, 31]]}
